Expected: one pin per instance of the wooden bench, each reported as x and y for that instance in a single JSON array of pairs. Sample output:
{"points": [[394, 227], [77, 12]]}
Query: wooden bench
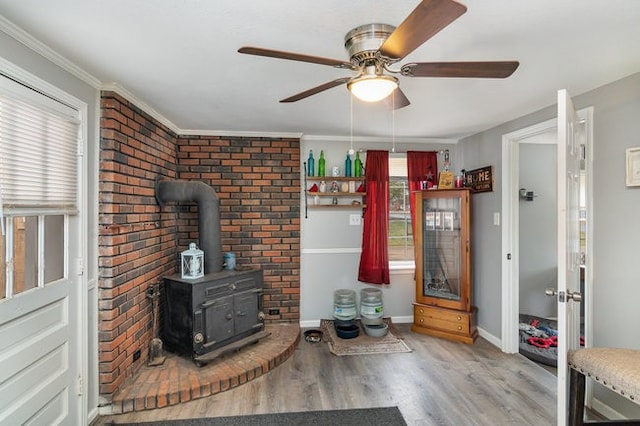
{"points": [[617, 369]]}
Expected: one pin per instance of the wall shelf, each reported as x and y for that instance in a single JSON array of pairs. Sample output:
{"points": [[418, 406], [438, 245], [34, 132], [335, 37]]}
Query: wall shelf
{"points": [[336, 194], [336, 206], [324, 200]]}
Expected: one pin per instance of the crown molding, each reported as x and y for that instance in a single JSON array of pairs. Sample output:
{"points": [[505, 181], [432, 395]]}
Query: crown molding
{"points": [[240, 134], [131, 97], [45, 51], [378, 139]]}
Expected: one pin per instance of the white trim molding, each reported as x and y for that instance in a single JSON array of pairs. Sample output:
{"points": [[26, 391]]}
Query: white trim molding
{"points": [[42, 49], [354, 250]]}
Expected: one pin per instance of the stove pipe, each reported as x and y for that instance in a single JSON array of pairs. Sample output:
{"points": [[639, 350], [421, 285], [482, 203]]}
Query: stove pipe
{"points": [[208, 215]]}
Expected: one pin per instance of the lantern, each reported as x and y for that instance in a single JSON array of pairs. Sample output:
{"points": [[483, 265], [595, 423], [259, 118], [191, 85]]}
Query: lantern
{"points": [[192, 262]]}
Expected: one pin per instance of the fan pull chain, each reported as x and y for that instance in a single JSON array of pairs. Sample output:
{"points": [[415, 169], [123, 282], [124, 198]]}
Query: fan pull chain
{"points": [[351, 122], [393, 123]]}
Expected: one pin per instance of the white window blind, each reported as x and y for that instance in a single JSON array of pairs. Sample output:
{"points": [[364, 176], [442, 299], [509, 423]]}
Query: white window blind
{"points": [[398, 165], [39, 140]]}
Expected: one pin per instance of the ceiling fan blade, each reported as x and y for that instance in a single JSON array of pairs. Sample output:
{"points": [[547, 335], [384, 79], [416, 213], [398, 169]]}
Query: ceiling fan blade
{"points": [[295, 57], [397, 99], [316, 90], [426, 20], [460, 69]]}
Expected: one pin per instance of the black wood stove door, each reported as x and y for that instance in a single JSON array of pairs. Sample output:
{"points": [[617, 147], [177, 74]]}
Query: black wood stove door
{"points": [[218, 320], [246, 308]]}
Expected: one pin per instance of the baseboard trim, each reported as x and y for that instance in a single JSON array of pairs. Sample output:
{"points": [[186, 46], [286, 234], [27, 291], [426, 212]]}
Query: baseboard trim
{"points": [[407, 319], [495, 341], [310, 324]]}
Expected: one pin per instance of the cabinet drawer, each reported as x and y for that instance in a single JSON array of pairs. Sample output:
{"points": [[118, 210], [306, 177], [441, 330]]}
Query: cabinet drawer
{"points": [[443, 314], [452, 321]]}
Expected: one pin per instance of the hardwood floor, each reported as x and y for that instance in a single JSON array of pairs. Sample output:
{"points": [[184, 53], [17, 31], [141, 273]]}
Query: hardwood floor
{"points": [[439, 383]]}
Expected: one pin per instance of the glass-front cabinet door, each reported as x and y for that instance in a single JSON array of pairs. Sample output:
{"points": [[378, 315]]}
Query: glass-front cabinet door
{"points": [[443, 275]]}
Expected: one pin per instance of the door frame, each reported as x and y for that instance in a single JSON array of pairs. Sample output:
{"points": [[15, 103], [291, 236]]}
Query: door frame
{"points": [[510, 227]]}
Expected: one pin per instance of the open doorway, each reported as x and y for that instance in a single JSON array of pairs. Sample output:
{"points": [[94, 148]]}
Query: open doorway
{"points": [[537, 226], [522, 260]]}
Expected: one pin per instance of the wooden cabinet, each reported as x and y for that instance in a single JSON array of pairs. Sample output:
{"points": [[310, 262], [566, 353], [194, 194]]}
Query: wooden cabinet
{"points": [[443, 305]]}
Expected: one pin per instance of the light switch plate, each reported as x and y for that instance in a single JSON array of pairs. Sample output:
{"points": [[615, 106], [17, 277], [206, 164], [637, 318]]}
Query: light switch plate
{"points": [[496, 219], [355, 220]]}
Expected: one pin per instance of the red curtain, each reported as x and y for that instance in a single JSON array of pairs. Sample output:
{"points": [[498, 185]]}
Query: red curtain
{"points": [[374, 260], [422, 166]]}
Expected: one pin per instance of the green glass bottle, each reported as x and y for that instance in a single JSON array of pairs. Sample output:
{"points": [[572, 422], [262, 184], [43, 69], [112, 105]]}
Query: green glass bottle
{"points": [[357, 172], [321, 164]]}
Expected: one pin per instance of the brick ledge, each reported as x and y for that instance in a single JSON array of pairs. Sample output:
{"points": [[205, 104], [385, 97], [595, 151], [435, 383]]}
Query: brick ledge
{"points": [[180, 380]]}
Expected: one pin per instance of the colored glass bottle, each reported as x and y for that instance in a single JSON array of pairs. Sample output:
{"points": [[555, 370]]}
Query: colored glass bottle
{"points": [[310, 164], [357, 172], [321, 164], [347, 166]]}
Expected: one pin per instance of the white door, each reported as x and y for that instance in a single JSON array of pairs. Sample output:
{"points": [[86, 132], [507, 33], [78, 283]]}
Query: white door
{"points": [[40, 325], [568, 296], [39, 328]]}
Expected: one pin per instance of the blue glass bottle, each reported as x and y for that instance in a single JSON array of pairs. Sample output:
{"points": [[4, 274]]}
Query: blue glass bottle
{"points": [[347, 166], [310, 164]]}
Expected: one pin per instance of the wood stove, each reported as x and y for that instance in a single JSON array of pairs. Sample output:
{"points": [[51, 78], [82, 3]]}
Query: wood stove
{"points": [[208, 316]]}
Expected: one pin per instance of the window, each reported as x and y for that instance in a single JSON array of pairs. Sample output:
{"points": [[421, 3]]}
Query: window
{"points": [[39, 140], [400, 231]]}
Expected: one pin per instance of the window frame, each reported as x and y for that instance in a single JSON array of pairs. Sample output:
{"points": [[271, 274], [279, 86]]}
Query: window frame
{"points": [[395, 175]]}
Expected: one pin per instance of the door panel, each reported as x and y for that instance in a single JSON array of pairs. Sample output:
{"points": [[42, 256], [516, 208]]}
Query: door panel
{"points": [[38, 371], [569, 153]]}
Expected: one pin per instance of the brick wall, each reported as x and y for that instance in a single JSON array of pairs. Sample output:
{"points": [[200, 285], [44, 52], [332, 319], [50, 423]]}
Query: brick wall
{"points": [[136, 248], [257, 181]]}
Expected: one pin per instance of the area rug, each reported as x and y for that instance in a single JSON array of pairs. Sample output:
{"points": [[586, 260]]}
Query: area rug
{"points": [[363, 344], [385, 416]]}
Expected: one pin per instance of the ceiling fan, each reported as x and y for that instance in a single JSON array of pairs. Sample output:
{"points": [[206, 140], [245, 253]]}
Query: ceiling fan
{"points": [[373, 48]]}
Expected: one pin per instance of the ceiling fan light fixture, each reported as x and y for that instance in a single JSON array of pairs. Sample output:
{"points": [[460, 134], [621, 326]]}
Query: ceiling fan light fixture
{"points": [[372, 88]]}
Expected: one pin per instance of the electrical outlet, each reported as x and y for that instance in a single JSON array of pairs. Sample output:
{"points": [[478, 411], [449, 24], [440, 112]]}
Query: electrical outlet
{"points": [[136, 355], [355, 220], [274, 311]]}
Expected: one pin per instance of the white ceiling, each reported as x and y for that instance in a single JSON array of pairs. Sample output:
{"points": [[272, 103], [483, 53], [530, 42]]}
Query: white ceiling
{"points": [[180, 57]]}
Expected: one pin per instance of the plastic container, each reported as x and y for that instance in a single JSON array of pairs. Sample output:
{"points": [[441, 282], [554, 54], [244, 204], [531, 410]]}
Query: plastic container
{"points": [[371, 310], [347, 331], [344, 305], [376, 330]]}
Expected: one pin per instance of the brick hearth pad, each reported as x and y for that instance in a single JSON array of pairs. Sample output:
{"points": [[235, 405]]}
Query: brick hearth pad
{"points": [[180, 380]]}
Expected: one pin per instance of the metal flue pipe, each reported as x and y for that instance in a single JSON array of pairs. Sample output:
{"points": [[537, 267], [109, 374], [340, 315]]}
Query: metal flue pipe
{"points": [[208, 215]]}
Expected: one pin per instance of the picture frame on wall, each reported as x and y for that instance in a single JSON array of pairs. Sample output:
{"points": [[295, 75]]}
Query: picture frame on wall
{"points": [[633, 166]]}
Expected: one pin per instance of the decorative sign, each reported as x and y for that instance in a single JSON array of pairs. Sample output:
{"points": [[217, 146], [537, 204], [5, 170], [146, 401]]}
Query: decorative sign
{"points": [[446, 180], [479, 180]]}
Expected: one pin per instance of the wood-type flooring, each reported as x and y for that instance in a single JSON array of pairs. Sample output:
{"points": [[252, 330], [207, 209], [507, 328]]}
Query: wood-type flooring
{"points": [[439, 383]]}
